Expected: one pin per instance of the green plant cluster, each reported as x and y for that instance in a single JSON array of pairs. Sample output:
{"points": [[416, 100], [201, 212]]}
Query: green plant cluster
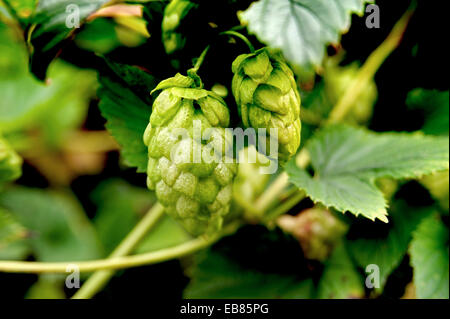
{"points": [[89, 114]]}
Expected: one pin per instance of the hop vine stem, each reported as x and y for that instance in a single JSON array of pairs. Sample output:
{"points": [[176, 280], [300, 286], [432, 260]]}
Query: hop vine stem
{"points": [[117, 263], [108, 264]]}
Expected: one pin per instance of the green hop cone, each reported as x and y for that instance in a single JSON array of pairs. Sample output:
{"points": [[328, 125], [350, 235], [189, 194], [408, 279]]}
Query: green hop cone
{"points": [[10, 162], [192, 176], [267, 97], [173, 15]]}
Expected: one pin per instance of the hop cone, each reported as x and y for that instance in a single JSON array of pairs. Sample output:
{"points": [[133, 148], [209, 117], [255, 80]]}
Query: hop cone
{"points": [[267, 97], [192, 178], [10, 162], [173, 14]]}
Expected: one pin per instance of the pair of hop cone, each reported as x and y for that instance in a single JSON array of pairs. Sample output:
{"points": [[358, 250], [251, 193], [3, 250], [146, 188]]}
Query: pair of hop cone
{"points": [[199, 193]]}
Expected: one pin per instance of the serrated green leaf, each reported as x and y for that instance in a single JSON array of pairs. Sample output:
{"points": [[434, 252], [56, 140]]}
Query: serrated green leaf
{"points": [[126, 104], [59, 229], [340, 279], [301, 28], [435, 106], [388, 251], [430, 259], [347, 161]]}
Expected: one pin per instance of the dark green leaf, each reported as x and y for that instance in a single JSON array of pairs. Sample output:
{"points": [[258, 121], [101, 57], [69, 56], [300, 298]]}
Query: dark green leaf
{"points": [[388, 251], [254, 263], [217, 277], [126, 104]]}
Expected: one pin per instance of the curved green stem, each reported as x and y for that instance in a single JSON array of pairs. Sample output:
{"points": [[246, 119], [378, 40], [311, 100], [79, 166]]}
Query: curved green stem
{"points": [[99, 279], [150, 258], [240, 36]]}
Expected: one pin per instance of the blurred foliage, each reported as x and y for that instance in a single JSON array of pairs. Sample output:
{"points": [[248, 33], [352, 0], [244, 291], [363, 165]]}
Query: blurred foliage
{"points": [[10, 162], [57, 227], [12, 237], [119, 208], [53, 108], [430, 259]]}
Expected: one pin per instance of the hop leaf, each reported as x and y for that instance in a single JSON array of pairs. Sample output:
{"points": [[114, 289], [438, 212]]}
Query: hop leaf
{"points": [[266, 94], [10, 162], [192, 178]]}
